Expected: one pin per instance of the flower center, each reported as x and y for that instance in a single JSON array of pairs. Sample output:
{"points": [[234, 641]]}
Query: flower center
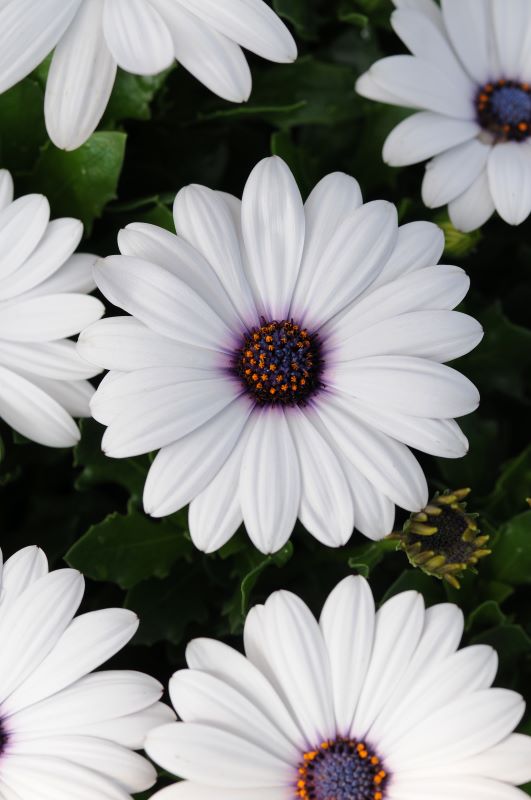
{"points": [[504, 109], [341, 769], [279, 363]]}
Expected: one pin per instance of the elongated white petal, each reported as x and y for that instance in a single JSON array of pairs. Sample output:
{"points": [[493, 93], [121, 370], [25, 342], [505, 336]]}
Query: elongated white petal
{"points": [[453, 172], [46, 319], [6, 189], [474, 207], [22, 226], [509, 173], [186, 790], [56, 360], [424, 135], [469, 27], [137, 36], [270, 482], [80, 79], [419, 245]]}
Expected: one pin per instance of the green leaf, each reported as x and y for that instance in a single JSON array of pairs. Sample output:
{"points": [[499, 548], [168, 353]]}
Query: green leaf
{"points": [[302, 14], [129, 549], [510, 561], [81, 183], [486, 615], [512, 488], [22, 132], [248, 583]]}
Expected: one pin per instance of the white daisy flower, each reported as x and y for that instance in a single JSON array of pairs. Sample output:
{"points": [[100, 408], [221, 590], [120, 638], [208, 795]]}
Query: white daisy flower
{"points": [[43, 300], [65, 731], [90, 38], [358, 706], [470, 73], [281, 357]]}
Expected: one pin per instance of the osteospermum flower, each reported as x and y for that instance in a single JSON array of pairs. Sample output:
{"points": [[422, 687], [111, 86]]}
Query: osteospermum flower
{"points": [[65, 731], [470, 73], [43, 300], [281, 357], [357, 706], [90, 38]]}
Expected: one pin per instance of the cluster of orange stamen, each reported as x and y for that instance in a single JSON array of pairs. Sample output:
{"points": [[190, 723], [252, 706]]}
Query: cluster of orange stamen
{"points": [[279, 362], [366, 770], [504, 109]]}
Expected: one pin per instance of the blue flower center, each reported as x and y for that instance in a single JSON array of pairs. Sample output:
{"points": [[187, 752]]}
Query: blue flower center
{"points": [[504, 109], [279, 363], [342, 769]]}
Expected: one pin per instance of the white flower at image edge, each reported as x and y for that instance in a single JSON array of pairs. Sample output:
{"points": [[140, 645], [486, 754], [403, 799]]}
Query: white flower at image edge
{"points": [[67, 732], [282, 357], [43, 300], [364, 705], [470, 76], [91, 38]]}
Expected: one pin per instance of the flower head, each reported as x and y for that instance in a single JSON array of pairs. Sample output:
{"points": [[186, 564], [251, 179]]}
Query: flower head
{"points": [[360, 705], [91, 38], [444, 539], [281, 356], [43, 300], [66, 731], [470, 74]]}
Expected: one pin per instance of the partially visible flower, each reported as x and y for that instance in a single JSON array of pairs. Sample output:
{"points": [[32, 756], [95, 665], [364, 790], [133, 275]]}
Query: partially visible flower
{"points": [[43, 301], [281, 356], [470, 74], [358, 706], [444, 539], [65, 731], [91, 38]]}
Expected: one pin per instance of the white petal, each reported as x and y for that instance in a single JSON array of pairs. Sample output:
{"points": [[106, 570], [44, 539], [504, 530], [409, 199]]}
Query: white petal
{"points": [[398, 629], [437, 335], [285, 635], [419, 244], [73, 396], [509, 171], [424, 39], [32, 624], [366, 86], [161, 409], [203, 698], [333, 200], [374, 512], [80, 79], [210, 56], [21, 570], [74, 276], [137, 36], [508, 761], [353, 258], [52, 778], [250, 23], [215, 514], [273, 227], [98, 697], [386, 463], [204, 219], [129, 770], [421, 84], [230, 666], [430, 9], [6, 189], [414, 386], [59, 241], [511, 31], [56, 360], [483, 719], [46, 319], [453, 172], [439, 287], [130, 730], [185, 790], [29, 31], [423, 135], [22, 226], [183, 469], [469, 27], [443, 788], [474, 207], [326, 508], [270, 481], [439, 437], [158, 246], [347, 622], [161, 301], [89, 641], [33, 413], [125, 344], [202, 752]]}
